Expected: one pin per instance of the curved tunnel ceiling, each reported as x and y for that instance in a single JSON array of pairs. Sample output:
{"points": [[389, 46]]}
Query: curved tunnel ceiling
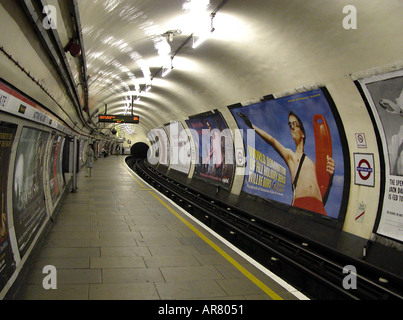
{"points": [[259, 47]]}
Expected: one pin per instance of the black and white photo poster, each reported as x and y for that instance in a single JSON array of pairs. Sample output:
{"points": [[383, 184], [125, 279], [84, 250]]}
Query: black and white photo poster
{"points": [[384, 94]]}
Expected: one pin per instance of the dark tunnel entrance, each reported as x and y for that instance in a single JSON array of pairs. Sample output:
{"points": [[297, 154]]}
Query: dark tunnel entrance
{"points": [[139, 150]]}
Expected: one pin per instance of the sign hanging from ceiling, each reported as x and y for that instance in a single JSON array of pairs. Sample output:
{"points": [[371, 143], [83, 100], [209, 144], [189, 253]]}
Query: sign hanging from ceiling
{"points": [[118, 118]]}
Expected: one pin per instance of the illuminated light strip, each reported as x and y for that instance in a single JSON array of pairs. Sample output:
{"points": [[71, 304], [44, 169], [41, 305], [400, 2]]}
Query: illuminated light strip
{"points": [[166, 72], [200, 40], [251, 277]]}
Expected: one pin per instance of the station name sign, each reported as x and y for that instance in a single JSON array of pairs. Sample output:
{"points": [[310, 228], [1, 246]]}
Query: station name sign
{"points": [[118, 118]]}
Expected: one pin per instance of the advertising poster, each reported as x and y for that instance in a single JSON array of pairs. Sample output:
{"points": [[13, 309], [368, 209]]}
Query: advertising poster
{"points": [[81, 155], [294, 154], [159, 150], [384, 94], [55, 173], [179, 151], [28, 192], [214, 149], [7, 263], [162, 146]]}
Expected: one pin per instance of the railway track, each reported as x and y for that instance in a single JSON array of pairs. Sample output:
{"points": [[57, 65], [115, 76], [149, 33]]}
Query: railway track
{"points": [[318, 272]]}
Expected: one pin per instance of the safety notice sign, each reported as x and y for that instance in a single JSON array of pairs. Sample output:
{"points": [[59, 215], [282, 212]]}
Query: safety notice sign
{"points": [[361, 141]]}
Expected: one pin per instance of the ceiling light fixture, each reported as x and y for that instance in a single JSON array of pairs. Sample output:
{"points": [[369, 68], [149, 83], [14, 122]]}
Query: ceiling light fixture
{"points": [[164, 51], [198, 39], [170, 34], [166, 70], [146, 70]]}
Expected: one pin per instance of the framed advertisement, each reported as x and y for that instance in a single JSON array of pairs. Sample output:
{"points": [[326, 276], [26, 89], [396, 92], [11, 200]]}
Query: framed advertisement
{"points": [[163, 146], [55, 172], [7, 262], [214, 149], [383, 95], [179, 151], [294, 139], [28, 191]]}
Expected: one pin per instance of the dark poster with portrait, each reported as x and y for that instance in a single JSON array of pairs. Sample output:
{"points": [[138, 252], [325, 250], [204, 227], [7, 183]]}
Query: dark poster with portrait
{"points": [[288, 144], [7, 263], [214, 149], [81, 154], [384, 96], [179, 150], [55, 173], [28, 192], [163, 146]]}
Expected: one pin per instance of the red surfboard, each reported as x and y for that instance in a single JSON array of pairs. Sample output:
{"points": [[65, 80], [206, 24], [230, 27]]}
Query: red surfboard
{"points": [[323, 146]]}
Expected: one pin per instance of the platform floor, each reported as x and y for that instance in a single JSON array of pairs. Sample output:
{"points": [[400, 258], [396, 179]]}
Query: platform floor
{"points": [[117, 238]]}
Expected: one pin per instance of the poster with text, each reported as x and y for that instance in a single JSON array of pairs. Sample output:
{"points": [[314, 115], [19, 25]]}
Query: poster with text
{"points": [[214, 149], [7, 263], [28, 191], [384, 94], [82, 158], [55, 173], [179, 151], [162, 142], [294, 153]]}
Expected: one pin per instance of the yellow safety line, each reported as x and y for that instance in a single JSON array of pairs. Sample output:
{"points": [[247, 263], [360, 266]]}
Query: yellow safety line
{"points": [[250, 276], [141, 185], [237, 265]]}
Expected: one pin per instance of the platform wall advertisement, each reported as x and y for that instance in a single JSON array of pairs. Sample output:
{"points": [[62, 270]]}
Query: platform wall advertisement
{"points": [[7, 263], [179, 152], [162, 145], [214, 149], [55, 172], [28, 191], [81, 154], [384, 94], [296, 157]]}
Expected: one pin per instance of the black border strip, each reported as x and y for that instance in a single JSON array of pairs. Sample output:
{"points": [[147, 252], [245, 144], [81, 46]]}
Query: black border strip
{"points": [[346, 156]]}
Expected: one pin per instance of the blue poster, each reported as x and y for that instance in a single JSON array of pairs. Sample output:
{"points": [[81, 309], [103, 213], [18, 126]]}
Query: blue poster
{"points": [[293, 152]]}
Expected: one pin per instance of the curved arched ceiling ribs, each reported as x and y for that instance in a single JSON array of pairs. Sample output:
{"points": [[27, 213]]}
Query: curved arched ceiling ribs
{"points": [[257, 48], [129, 45]]}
